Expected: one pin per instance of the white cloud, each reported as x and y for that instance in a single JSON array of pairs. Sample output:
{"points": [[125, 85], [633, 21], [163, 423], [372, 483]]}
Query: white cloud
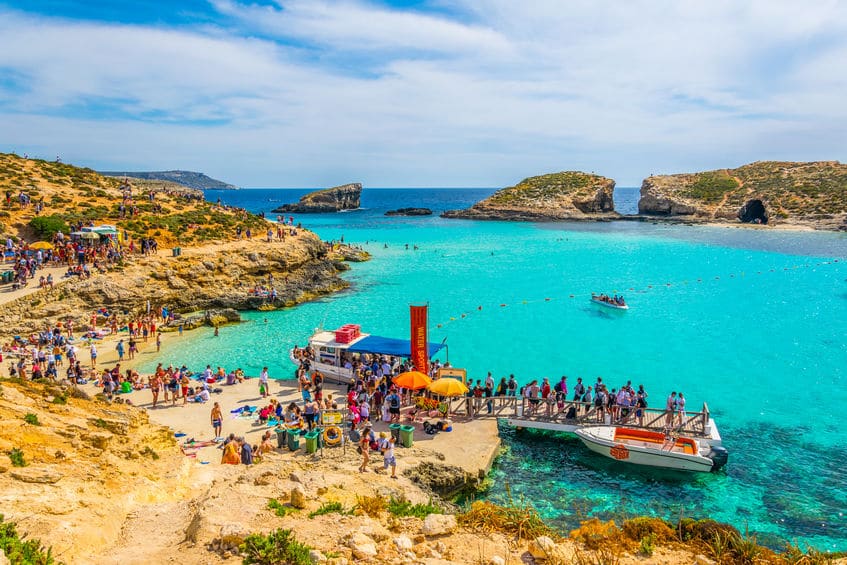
{"points": [[312, 93]]}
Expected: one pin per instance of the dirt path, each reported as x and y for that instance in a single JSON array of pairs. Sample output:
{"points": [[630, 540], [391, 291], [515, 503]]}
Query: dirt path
{"points": [[8, 295], [726, 197]]}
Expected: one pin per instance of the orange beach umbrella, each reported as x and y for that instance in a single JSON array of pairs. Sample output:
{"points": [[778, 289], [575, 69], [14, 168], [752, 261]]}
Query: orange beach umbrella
{"points": [[413, 380], [41, 245]]}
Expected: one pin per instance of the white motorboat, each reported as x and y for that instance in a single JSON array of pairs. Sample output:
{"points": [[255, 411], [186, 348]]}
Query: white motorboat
{"points": [[335, 350], [596, 299], [653, 449]]}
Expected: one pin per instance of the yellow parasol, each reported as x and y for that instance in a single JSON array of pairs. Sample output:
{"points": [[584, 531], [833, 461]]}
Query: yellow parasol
{"points": [[448, 387], [413, 380], [41, 245]]}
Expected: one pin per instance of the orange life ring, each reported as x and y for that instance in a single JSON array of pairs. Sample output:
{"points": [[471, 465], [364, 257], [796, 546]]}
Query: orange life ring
{"points": [[332, 435]]}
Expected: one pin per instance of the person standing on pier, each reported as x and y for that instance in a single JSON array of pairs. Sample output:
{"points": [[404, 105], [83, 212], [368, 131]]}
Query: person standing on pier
{"points": [[512, 386], [670, 408], [578, 390]]}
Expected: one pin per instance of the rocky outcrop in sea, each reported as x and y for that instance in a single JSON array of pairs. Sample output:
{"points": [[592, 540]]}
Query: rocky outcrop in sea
{"points": [[766, 192], [409, 212], [335, 199], [569, 195]]}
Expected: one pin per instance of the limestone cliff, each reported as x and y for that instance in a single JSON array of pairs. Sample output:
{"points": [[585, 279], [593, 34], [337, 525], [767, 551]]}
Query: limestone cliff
{"points": [[765, 192], [570, 195], [214, 276], [335, 199]]}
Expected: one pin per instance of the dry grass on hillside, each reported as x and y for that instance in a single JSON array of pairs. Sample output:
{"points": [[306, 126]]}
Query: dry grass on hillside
{"points": [[75, 194]]}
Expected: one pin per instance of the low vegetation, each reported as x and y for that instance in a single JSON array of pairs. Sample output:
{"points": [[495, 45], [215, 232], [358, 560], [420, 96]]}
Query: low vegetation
{"points": [[16, 457], [20, 551], [279, 508], [533, 189], [371, 505], [72, 194], [519, 520], [401, 507], [48, 226], [31, 419], [279, 547], [712, 186], [331, 507]]}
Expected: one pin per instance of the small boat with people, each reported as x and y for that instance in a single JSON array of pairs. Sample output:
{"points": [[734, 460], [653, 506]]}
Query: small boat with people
{"points": [[653, 449], [334, 352], [614, 301]]}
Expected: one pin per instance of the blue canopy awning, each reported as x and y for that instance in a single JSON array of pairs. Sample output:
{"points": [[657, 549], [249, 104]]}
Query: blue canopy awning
{"points": [[390, 346]]}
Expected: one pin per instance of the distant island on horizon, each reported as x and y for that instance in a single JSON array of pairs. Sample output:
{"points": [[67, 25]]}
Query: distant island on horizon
{"points": [[190, 179]]}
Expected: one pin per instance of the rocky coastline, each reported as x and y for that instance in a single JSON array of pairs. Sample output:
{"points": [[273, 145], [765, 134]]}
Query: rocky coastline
{"points": [[335, 199], [785, 195], [212, 277]]}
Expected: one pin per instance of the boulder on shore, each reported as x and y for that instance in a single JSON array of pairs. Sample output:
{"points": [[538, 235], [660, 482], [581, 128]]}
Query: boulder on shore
{"points": [[335, 199]]}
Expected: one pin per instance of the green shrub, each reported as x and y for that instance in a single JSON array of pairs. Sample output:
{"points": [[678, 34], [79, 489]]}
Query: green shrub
{"points": [[279, 508], [48, 226], [16, 456], [333, 507], [31, 418], [277, 548], [402, 507], [648, 545], [22, 552]]}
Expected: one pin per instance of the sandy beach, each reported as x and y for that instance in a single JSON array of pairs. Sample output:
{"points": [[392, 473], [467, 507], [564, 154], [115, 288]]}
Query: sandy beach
{"points": [[473, 448]]}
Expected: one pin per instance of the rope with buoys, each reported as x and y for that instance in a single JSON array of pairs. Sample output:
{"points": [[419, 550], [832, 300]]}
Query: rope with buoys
{"points": [[649, 287]]}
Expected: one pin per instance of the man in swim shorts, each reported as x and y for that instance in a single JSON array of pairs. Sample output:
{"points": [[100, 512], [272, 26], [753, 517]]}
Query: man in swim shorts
{"points": [[217, 419]]}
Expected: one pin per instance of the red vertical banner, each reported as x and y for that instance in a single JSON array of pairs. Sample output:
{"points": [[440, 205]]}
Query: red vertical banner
{"points": [[420, 353]]}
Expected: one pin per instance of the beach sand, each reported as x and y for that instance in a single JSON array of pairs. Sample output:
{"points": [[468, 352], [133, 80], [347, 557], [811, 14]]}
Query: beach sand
{"points": [[472, 446]]}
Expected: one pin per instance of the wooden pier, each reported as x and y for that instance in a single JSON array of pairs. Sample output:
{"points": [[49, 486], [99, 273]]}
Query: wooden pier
{"points": [[543, 415]]}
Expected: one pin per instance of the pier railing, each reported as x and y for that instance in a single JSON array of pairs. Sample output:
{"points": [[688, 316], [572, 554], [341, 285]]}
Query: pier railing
{"points": [[580, 414]]}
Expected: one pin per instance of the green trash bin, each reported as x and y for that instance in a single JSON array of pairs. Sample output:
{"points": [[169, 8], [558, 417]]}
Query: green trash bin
{"points": [[407, 435], [293, 440], [395, 432], [312, 441]]}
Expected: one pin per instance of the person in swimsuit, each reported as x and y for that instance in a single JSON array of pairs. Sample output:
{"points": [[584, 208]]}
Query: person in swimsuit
{"points": [[217, 419], [365, 446], [154, 388], [184, 381]]}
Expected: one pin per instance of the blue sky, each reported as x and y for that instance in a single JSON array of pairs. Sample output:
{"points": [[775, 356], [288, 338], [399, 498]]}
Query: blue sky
{"points": [[422, 93]]}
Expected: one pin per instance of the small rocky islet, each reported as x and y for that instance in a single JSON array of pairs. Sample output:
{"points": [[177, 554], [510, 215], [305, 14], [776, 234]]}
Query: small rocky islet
{"points": [[409, 212], [335, 199]]}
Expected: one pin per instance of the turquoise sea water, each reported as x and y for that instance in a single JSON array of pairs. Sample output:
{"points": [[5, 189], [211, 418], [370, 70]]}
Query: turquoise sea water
{"points": [[752, 322]]}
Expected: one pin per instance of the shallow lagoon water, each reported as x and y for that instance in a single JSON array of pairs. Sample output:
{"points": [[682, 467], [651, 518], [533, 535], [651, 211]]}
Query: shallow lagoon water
{"points": [[752, 322]]}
